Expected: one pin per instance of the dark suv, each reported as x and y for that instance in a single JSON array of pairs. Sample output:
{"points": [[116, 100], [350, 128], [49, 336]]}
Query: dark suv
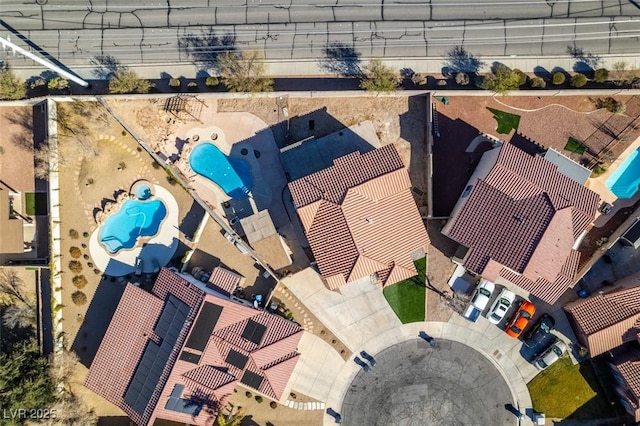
{"points": [[539, 331]]}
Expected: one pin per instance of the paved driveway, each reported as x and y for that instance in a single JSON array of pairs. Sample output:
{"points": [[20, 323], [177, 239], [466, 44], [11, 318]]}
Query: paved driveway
{"points": [[355, 315]]}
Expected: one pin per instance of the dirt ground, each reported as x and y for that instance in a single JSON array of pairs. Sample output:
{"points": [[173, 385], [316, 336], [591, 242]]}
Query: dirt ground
{"points": [[263, 414]]}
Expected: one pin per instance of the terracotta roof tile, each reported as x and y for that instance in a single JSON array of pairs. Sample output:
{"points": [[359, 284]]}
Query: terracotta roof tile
{"points": [[360, 217], [526, 216], [223, 280]]}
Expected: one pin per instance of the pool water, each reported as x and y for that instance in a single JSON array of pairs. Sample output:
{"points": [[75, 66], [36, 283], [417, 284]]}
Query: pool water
{"points": [[230, 174], [135, 219], [625, 180]]}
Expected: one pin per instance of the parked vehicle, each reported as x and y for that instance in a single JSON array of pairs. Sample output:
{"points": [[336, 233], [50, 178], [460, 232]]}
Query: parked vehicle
{"points": [[550, 355], [520, 319], [539, 331], [501, 306], [479, 300]]}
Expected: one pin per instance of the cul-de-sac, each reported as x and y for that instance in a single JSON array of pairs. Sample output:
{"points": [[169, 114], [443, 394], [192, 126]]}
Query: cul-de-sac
{"points": [[308, 214]]}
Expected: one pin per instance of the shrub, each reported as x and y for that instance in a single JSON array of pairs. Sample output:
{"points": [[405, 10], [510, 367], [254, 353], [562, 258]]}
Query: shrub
{"points": [[558, 78], [155, 165], [378, 77], [172, 180], [578, 80], [258, 399], [248, 394], [79, 298], [127, 81], [85, 234], [441, 83], [211, 81], [75, 252], [58, 83], [89, 264], [598, 170], [79, 281], [601, 75], [122, 165], [192, 85], [97, 271], [37, 83], [175, 82], [73, 234], [85, 257], [611, 105], [89, 182], [75, 266], [419, 79], [11, 86], [522, 77], [538, 82], [462, 78], [273, 405], [83, 245]]}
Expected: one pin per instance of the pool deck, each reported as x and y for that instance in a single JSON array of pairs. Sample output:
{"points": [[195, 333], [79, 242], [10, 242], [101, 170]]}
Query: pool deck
{"points": [[161, 247], [599, 185]]}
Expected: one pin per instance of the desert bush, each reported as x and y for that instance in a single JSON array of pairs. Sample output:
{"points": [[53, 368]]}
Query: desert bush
{"points": [[419, 79], [74, 234], [192, 85], [441, 83], [127, 81], [578, 80], [122, 165], [611, 105], [11, 86], [79, 298], [85, 257], [175, 82], [211, 81], [83, 245], [75, 252], [37, 83], [462, 78], [244, 71], [378, 77], [79, 281], [85, 234], [598, 170], [558, 78], [58, 83], [97, 271], [248, 394], [601, 75], [172, 180], [75, 266], [538, 82], [273, 405], [258, 399], [522, 77]]}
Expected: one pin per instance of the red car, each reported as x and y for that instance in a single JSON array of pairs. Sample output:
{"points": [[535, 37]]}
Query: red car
{"points": [[520, 319]]}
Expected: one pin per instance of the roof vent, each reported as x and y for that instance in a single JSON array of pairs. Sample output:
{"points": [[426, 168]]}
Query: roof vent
{"points": [[369, 220]]}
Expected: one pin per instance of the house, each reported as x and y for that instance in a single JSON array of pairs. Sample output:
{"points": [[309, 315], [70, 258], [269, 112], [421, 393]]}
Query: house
{"points": [[177, 352], [360, 218], [625, 368], [520, 219], [609, 319]]}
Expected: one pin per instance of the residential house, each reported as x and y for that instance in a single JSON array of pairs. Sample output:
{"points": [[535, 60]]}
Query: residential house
{"points": [[520, 219], [625, 369], [177, 352], [360, 218], [607, 320]]}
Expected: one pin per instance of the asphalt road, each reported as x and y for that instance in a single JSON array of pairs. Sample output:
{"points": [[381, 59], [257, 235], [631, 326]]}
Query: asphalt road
{"points": [[169, 32], [414, 384]]}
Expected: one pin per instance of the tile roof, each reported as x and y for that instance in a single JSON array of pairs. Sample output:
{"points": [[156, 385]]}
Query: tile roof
{"points": [[628, 365], [360, 218], [224, 281], [607, 320], [526, 216], [270, 348]]}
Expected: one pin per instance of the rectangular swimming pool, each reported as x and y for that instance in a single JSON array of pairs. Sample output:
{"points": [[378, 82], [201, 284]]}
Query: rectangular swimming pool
{"points": [[625, 180]]}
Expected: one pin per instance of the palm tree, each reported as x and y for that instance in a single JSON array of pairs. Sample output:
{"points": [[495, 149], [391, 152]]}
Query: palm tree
{"points": [[230, 419]]}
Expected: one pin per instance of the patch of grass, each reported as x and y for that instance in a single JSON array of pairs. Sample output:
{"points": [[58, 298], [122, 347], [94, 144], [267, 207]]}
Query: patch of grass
{"points": [[574, 145], [506, 121], [572, 391], [407, 298], [30, 203]]}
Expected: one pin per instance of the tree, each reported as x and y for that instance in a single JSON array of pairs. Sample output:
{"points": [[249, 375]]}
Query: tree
{"points": [[24, 379], [601, 75], [378, 77], [622, 75], [11, 287], [58, 83], [538, 82], [558, 78], [502, 81], [20, 315], [244, 72], [522, 77], [47, 159], [127, 81], [230, 419], [11, 87], [460, 60], [78, 120], [578, 80]]}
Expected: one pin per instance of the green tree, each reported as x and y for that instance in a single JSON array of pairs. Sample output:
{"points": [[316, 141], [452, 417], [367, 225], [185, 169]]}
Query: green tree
{"points": [[244, 72], [601, 75], [230, 419], [522, 77], [378, 77], [558, 78], [11, 87], [127, 81], [578, 80], [502, 81], [24, 379]]}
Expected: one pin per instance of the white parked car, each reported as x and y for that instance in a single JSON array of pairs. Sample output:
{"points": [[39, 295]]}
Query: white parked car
{"points": [[479, 300], [551, 355], [501, 306]]}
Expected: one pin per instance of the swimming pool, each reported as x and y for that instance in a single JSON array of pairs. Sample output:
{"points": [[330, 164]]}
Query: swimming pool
{"points": [[135, 219], [625, 180], [230, 174]]}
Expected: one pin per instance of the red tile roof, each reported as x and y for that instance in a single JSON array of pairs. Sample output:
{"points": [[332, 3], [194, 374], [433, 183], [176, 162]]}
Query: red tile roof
{"points": [[360, 218], [212, 379], [607, 320], [628, 365], [224, 281], [526, 216]]}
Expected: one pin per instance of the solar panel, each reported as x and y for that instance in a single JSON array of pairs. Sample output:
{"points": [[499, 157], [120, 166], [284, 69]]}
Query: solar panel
{"points": [[252, 379], [189, 357], [203, 327], [236, 359], [181, 405], [254, 331], [155, 355]]}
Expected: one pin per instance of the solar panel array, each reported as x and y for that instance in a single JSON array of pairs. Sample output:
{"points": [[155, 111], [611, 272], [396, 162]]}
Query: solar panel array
{"points": [[251, 379], [254, 331], [237, 359], [181, 405], [189, 357], [202, 329], [155, 355]]}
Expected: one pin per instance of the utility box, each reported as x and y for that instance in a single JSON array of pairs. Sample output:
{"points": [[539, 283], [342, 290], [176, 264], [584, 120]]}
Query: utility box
{"points": [[539, 419]]}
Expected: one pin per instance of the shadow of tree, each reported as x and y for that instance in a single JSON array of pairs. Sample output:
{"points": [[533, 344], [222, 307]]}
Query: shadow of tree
{"points": [[106, 66], [342, 59], [586, 62], [460, 60], [203, 49]]}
